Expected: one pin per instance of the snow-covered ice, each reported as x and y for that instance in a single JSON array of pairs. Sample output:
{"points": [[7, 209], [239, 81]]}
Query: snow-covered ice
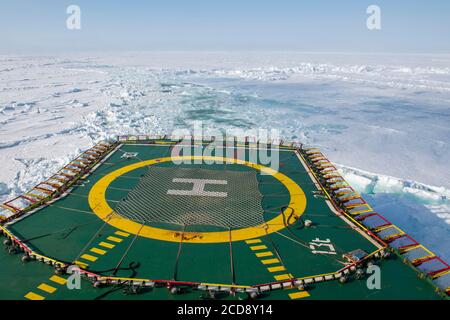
{"points": [[383, 118]]}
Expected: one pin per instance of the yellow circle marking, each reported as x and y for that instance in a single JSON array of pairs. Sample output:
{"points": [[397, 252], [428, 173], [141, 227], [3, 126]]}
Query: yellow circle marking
{"points": [[99, 205]]}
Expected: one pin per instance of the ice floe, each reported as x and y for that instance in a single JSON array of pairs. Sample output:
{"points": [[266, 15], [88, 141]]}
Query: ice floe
{"points": [[379, 116]]}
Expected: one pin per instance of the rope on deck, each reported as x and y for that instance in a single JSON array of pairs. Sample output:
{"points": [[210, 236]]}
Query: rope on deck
{"points": [[233, 275], [127, 250], [175, 271]]}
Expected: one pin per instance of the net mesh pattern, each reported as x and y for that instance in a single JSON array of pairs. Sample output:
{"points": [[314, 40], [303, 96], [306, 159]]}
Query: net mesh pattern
{"points": [[195, 196]]}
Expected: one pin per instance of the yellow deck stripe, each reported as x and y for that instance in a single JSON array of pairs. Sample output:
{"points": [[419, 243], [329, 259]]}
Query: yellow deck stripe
{"points": [[34, 296], [443, 273], [98, 251], [264, 254], [107, 245], [361, 212], [270, 261], [410, 248], [275, 269], [89, 257], [58, 280], [384, 227], [123, 234], [81, 264], [253, 241], [262, 247], [283, 277], [114, 239], [299, 295], [45, 287]]}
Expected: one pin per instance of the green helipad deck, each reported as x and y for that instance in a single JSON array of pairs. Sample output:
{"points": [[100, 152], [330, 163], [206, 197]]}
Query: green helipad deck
{"points": [[145, 221]]}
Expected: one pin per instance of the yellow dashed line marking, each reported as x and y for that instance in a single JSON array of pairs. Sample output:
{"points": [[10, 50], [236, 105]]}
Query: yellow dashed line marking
{"points": [[123, 234], [58, 280], [299, 295], [114, 239], [276, 269], [34, 296], [253, 241], [88, 257], [270, 261], [107, 245], [280, 277], [262, 247], [45, 287], [283, 277], [98, 251], [81, 264], [264, 254]]}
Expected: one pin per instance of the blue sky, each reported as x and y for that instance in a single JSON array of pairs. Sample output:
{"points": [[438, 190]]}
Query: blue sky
{"points": [[414, 26]]}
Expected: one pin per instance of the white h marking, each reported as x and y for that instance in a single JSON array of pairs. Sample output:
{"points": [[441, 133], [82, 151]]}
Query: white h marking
{"points": [[198, 188]]}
